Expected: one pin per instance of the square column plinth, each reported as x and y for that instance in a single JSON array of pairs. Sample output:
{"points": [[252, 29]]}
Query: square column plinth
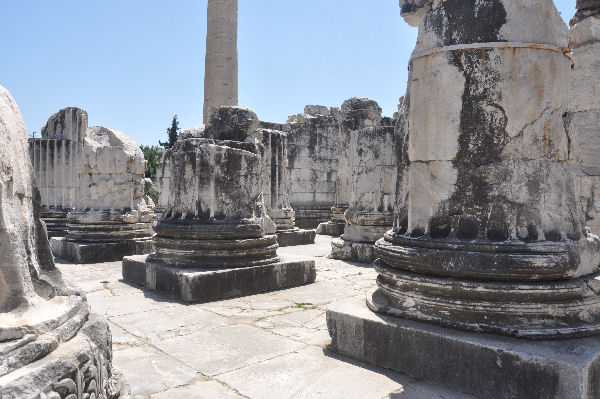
{"points": [[290, 238], [205, 285], [485, 365], [98, 252]]}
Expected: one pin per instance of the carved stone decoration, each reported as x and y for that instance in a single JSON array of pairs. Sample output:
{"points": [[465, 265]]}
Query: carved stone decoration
{"points": [[356, 113], [277, 186], [215, 239], [46, 328], [113, 215]]}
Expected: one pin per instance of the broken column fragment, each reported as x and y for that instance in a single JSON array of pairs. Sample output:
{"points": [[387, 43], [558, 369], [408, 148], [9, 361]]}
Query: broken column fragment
{"points": [[112, 217], [356, 113], [583, 118], [52, 346], [372, 192], [215, 240], [313, 139], [276, 188], [56, 158], [494, 241]]}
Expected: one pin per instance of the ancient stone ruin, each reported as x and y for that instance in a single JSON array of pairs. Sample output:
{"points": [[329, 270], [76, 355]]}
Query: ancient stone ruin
{"points": [[313, 139], [372, 149], [215, 239], [52, 346], [113, 215], [56, 159], [494, 240], [221, 63], [583, 118], [277, 186]]}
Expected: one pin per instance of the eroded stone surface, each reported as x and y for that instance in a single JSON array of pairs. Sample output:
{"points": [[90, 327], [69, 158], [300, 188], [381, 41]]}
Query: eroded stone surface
{"points": [[215, 239], [51, 344], [583, 119], [56, 161], [373, 164], [313, 162], [491, 188]]}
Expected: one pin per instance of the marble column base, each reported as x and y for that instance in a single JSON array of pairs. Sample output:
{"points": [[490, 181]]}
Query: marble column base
{"points": [[352, 251], [196, 285], [330, 228], [488, 366], [289, 238], [78, 368], [90, 252]]}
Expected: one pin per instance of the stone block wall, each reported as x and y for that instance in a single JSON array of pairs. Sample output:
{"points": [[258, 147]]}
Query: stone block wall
{"points": [[313, 140]]}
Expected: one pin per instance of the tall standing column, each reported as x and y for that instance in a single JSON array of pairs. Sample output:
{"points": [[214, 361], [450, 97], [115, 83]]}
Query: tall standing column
{"points": [[221, 68]]}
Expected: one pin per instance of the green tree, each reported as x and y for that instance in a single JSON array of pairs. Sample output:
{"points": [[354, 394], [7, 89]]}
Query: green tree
{"points": [[172, 133], [151, 155]]}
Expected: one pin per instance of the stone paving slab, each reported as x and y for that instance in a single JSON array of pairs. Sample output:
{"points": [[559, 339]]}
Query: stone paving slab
{"points": [[271, 345]]}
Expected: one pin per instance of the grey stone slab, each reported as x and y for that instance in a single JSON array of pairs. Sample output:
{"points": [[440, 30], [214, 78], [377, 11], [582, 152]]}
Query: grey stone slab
{"points": [[314, 373], [148, 370], [205, 389], [98, 252], [320, 292], [227, 348], [321, 247], [485, 365], [121, 338], [159, 324], [205, 285], [108, 304], [295, 237], [331, 229]]}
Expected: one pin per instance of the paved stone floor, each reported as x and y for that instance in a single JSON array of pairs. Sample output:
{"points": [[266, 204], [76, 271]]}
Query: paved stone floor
{"points": [[264, 346]]}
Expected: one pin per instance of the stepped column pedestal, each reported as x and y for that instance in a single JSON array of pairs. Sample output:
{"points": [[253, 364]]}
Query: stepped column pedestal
{"points": [[488, 282], [215, 240]]}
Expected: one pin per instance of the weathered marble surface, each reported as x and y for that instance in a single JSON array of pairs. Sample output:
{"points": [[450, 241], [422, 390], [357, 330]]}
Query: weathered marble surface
{"points": [[56, 160], [583, 117], [52, 346], [277, 186], [215, 225], [372, 159], [221, 63], [355, 114], [313, 139], [113, 215], [491, 193]]}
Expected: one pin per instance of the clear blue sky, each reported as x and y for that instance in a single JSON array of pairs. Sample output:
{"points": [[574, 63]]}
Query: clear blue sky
{"points": [[133, 64]]}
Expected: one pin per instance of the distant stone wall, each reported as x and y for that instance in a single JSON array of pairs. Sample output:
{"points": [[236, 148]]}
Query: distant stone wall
{"points": [[313, 141], [583, 119]]}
